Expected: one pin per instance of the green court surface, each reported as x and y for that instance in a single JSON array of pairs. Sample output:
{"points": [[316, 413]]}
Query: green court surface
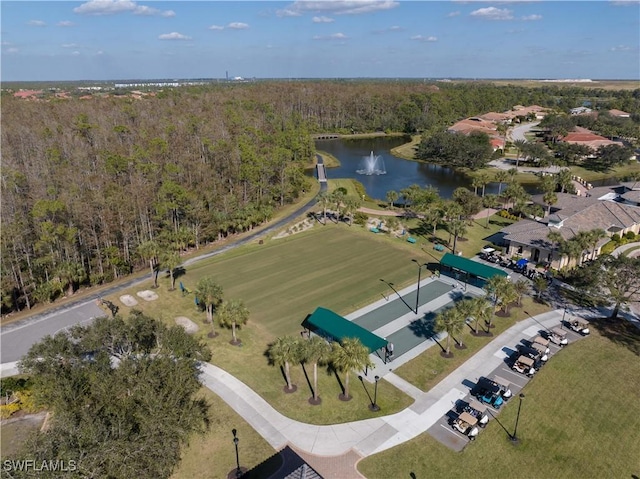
{"points": [[418, 331], [396, 308]]}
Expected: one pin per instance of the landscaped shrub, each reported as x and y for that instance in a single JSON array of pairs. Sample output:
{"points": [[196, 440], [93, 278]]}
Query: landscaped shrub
{"points": [[609, 247], [360, 218], [630, 235]]}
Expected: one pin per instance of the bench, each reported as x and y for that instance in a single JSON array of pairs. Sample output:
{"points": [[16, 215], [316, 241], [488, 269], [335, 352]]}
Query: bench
{"points": [[438, 247], [411, 240]]}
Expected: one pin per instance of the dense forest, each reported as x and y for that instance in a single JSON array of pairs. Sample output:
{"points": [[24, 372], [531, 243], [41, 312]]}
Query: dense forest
{"points": [[93, 189]]}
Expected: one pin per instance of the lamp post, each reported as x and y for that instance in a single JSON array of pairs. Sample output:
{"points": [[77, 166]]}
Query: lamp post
{"points": [[418, 292], [235, 442], [374, 406], [514, 437]]}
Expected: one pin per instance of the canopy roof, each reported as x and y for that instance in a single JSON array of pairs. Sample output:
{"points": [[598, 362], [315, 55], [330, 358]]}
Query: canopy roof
{"points": [[472, 267], [340, 328]]}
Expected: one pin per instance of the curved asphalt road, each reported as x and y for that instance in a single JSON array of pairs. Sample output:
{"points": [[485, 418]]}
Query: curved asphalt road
{"points": [[16, 338]]}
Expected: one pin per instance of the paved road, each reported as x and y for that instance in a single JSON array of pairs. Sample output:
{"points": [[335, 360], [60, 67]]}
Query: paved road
{"points": [[518, 132], [16, 338]]}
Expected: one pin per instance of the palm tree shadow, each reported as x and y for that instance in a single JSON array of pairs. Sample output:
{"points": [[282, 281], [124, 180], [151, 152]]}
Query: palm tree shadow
{"points": [[424, 328], [306, 376], [333, 371]]}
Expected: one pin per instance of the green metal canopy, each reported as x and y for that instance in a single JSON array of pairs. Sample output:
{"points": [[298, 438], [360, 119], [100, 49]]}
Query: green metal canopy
{"points": [[340, 328], [472, 267]]}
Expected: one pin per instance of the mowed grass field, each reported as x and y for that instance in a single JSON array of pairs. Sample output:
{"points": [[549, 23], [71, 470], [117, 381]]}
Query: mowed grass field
{"points": [[281, 282], [579, 419]]}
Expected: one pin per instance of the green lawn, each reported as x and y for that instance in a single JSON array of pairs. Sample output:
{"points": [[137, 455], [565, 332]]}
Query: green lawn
{"points": [[281, 282], [579, 419], [212, 455]]}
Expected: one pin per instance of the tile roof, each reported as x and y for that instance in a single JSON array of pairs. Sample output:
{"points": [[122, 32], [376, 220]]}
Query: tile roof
{"points": [[568, 203]]}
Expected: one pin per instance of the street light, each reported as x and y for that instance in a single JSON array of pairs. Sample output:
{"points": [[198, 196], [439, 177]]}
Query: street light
{"points": [[235, 442], [374, 406], [418, 292], [514, 437]]}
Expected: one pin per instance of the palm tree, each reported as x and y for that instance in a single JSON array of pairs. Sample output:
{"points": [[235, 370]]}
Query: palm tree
{"points": [[149, 251], [316, 351], [432, 217], [481, 310], [337, 196], [501, 177], [509, 295], [282, 352], [350, 354], [564, 180], [496, 287], [520, 287], [324, 201], [476, 183], [210, 293], [351, 205], [452, 322], [392, 197], [540, 285], [483, 180], [171, 260], [71, 274], [520, 146], [593, 236], [233, 314], [550, 198], [458, 229]]}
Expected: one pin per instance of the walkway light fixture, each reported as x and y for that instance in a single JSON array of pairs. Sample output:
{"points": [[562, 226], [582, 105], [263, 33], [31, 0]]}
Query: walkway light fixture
{"points": [[374, 406]]}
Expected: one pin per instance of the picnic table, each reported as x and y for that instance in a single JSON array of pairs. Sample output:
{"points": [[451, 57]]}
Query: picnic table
{"points": [[411, 240]]}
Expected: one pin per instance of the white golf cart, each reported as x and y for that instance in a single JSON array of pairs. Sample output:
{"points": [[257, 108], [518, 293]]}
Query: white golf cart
{"points": [[558, 336], [466, 424], [504, 386], [544, 352], [542, 342], [477, 410], [579, 325], [524, 365]]}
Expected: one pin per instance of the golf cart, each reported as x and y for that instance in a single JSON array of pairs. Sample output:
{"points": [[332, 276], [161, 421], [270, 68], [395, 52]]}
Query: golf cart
{"points": [[579, 325], [488, 392], [504, 386], [558, 336], [476, 410], [466, 424], [533, 353], [542, 350], [524, 365], [542, 342]]}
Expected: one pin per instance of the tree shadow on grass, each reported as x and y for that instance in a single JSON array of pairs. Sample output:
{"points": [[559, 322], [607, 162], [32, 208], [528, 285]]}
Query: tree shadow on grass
{"points": [[621, 332]]}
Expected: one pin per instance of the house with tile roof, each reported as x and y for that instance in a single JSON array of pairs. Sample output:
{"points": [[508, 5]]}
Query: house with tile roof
{"points": [[619, 113], [617, 214], [588, 138]]}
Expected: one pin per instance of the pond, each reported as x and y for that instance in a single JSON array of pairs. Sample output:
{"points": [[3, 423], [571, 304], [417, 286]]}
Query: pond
{"points": [[357, 162]]}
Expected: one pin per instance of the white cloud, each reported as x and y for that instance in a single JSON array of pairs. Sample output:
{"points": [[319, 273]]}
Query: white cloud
{"points": [[333, 36], [111, 7], [620, 48], [625, 3], [173, 36], [454, 14], [493, 13], [5, 44], [65, 23], [288, 13], [76, 53], [422, 38], [322, 19], [238, 26], [394, 28], [531, 18], [36, 23], [12, 50], [216, 27], [342, 7], [69, 45]]}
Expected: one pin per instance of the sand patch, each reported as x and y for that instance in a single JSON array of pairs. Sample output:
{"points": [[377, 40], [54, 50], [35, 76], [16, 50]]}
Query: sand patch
{"points": [[147, 295], [128, 300], [189, 326]]}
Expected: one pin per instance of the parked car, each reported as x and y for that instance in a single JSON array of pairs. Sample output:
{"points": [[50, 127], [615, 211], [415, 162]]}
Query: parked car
{"points": [[542, 342], [477, 410], [558, 336], [488, 392], [466, 424], [524, 365], [505, 387], [579, 325]]}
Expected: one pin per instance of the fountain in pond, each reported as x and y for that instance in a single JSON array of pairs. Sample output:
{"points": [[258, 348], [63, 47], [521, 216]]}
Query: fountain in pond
{"points": [[372, 165]]}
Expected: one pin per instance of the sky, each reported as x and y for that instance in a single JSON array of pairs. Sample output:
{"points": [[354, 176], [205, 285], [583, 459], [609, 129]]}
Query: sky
{"points": [[127, 39]]}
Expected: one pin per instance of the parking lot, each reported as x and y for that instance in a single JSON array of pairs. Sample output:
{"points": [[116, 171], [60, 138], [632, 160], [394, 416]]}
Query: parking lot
{"points": [[443, 431]]}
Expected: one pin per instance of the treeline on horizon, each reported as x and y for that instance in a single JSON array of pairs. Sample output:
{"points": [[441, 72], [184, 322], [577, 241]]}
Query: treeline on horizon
{"points": [[94, 189]]}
